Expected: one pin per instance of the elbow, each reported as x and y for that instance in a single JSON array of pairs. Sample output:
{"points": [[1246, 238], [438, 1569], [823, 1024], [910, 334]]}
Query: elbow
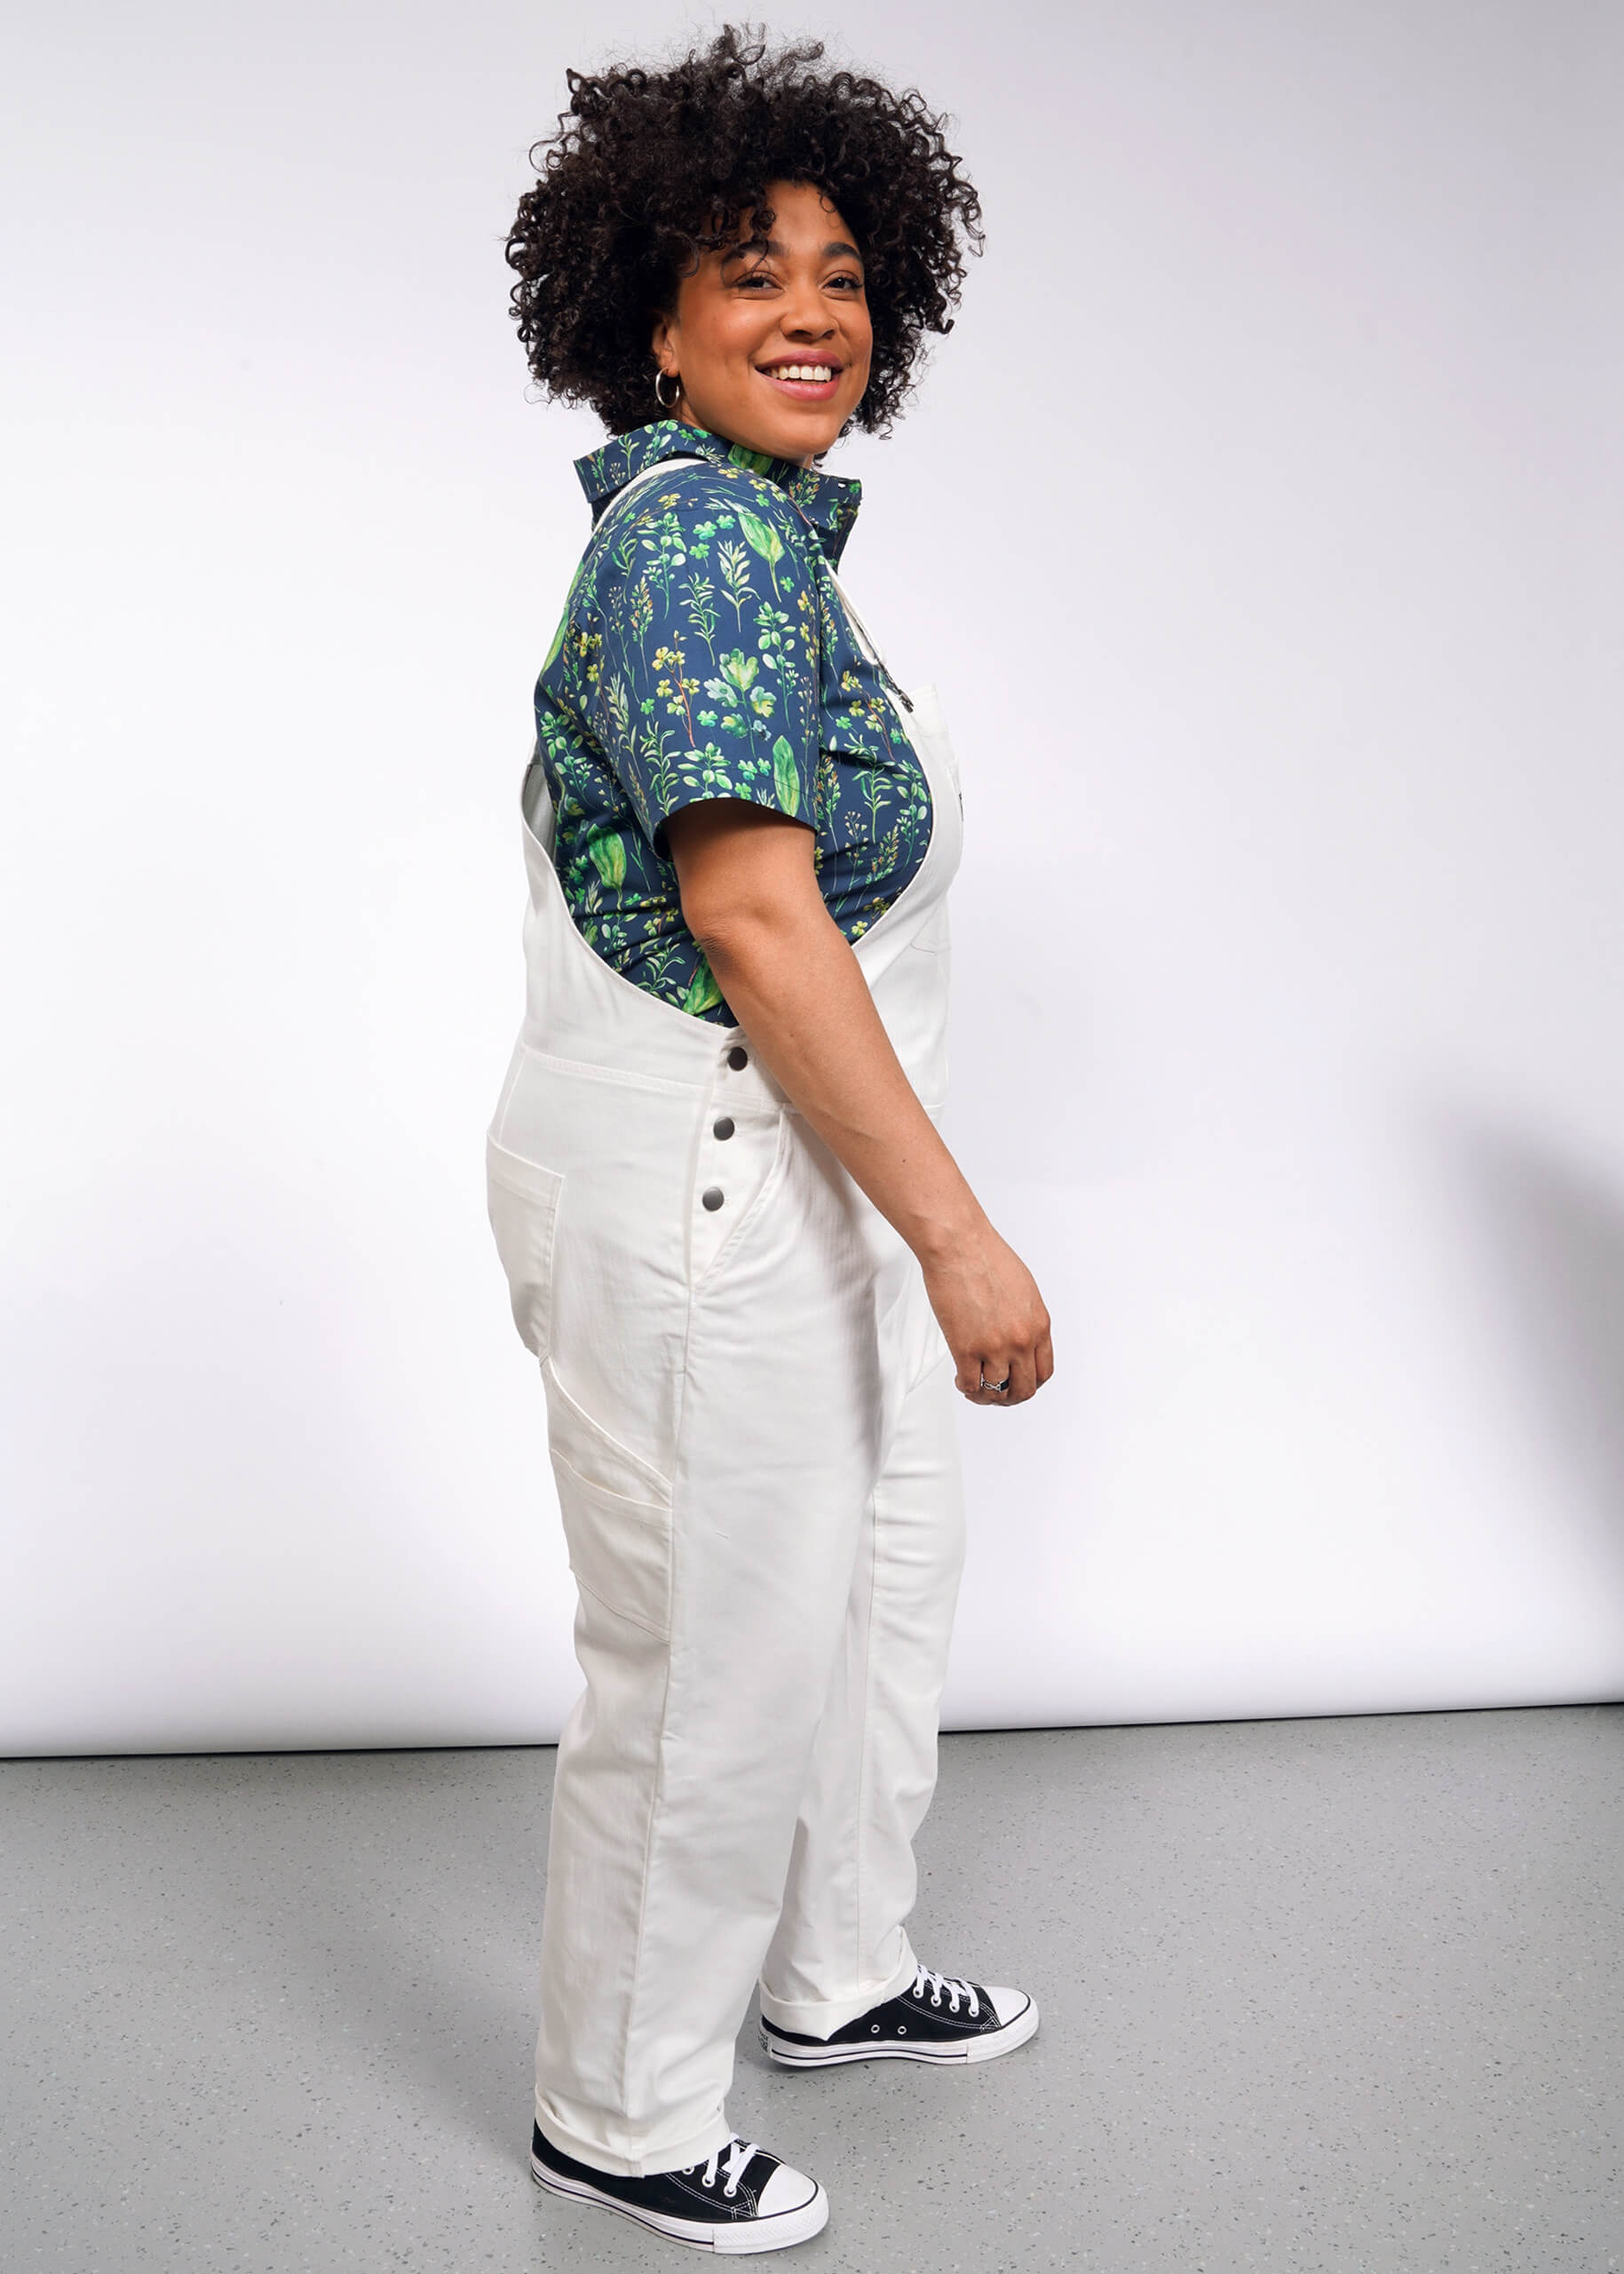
{"points": [[754, 930], [749, 895], [731, 932]]}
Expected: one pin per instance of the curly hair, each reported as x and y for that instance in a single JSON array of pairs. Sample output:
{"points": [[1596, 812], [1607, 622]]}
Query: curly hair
{"points": [[649, 170]]}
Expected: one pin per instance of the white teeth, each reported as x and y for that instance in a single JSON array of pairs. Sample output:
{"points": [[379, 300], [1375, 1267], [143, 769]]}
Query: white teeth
{"points": [[819, 372]]}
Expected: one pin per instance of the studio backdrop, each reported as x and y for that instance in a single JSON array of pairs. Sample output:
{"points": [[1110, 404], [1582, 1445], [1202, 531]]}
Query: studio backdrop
{"points": [[1258, 523]]}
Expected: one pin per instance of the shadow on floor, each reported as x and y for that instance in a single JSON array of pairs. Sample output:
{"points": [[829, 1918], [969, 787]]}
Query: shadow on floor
{"points": [[305, 1894]]}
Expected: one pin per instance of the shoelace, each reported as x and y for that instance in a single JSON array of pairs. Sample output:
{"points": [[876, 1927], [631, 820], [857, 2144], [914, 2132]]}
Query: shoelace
{"points": [[936, 1982], [734, 2163]]}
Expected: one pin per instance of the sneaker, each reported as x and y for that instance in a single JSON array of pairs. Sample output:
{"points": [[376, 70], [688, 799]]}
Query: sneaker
{"points": [[940, 2018], [742, 2199]]}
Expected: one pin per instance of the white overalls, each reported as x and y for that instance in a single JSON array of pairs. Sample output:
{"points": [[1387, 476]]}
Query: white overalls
{"points": [[751, 1410]]}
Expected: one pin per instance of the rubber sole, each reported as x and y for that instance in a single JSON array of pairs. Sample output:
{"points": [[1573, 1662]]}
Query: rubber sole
{"points": [[741, 2239], [1016, 2032]]}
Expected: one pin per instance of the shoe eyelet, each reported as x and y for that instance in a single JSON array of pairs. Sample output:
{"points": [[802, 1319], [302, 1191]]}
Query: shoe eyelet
{"points": [[902, 2029], [874, 2029], [936, 2001]]}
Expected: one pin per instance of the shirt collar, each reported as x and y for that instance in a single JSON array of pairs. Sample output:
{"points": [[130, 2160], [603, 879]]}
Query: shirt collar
{"points": [[829, 501]]}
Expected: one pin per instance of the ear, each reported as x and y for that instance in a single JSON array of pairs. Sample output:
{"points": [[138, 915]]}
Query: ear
{"points": [[663, 341]]}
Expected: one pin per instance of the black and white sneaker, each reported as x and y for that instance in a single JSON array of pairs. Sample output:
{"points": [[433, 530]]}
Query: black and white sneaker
{"points": [[742, 2199], [940, 2018]]}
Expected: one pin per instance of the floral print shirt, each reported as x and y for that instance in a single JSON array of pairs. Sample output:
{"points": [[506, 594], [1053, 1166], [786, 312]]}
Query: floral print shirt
{"points": [[705, 652]]}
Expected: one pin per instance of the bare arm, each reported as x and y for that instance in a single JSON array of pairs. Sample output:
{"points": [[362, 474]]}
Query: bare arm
{"points": [[750, 897]]}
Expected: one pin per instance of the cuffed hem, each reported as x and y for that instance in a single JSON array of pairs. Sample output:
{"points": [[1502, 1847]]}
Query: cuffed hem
{"points": [[822, 2020], [592, 2151]]}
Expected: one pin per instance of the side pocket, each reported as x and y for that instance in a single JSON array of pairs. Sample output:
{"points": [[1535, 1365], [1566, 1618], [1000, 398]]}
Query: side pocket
{"points": [[522, 1198], [616, 1511]]}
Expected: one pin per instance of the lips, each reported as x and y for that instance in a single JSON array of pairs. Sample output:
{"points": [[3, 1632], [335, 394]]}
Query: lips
{"points": [[809, 378]]}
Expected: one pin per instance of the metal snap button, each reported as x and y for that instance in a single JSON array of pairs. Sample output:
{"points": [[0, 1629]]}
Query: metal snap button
{"points": [[723, 1127], [711, 1198], [737, 1058]]}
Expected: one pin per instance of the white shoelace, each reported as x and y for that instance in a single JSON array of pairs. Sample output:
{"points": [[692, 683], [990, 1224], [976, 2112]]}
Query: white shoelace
{"points": [[936, 1982], [733, 2161]]}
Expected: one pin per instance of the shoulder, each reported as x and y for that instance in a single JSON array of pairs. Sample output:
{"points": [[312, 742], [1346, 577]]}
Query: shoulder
{"points": [[701, 505]]}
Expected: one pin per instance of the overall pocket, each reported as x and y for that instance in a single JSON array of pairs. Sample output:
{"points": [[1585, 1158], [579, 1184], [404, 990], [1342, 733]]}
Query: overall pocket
{"points": [[617, 1514], [522, 1198]]}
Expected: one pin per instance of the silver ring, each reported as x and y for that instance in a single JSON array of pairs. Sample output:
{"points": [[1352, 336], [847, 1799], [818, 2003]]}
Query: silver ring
{"points": [[997, 1387]]}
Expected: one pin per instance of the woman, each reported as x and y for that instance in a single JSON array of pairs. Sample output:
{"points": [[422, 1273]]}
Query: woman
{"points": [[749, 1265]]}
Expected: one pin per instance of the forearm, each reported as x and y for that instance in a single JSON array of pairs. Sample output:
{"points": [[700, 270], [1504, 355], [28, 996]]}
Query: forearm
{"points": [[750, 896], [797, 988]]}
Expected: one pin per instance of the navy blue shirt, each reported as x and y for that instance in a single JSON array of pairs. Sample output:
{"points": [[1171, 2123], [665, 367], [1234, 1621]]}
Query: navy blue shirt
{"points": [[705, 652]]}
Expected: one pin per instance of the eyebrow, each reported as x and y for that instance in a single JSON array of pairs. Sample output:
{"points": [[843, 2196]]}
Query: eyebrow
{"points": [[832, 252]]}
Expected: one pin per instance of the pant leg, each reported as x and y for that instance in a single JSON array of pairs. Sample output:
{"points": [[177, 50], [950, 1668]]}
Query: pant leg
{"points": [[840, 1944], [713, 1605]]}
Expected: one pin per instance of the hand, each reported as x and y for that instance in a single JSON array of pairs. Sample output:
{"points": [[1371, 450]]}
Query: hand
{"points": [[987, 1306], [751, 899]]}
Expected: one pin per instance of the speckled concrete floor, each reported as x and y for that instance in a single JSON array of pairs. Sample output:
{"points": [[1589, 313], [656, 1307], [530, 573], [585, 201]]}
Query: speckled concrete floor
{"points": [[1337, 1996]]}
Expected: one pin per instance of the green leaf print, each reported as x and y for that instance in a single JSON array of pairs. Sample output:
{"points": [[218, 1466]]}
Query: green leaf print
{"points": [[734, 563], [609, 858], [762, 538], [704, 992], [786, 781], [793, 717]]}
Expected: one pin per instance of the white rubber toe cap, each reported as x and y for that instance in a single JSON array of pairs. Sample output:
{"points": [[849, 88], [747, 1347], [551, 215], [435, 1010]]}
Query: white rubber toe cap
{"points": [[788, 2190], [1008, 2005]]}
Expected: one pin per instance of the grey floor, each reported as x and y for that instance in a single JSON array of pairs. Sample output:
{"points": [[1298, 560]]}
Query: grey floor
{"points": [[1328, 1995]]}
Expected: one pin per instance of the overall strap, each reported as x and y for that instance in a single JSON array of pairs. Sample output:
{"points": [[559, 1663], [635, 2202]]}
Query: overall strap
{"points": [[865, 640], [534, 797], [640, 480], [864, 636]]}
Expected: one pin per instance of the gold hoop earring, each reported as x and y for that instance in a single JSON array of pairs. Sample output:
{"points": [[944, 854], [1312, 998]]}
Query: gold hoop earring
{"points": [[676, 384]]}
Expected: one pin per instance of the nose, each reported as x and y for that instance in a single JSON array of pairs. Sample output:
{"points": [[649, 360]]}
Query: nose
{"points": [[806, 316]]}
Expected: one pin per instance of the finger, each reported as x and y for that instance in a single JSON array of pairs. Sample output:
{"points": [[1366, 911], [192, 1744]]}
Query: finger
{"points": [[1023, 1381], [1045, 1360], [993, 1387]]}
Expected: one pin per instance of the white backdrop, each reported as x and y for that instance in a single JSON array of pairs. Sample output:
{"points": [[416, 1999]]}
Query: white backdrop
{"points": [[1259, 523]]}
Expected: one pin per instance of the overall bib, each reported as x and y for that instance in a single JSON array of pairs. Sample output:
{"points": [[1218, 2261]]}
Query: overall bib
{"points": [[751, 1414]]}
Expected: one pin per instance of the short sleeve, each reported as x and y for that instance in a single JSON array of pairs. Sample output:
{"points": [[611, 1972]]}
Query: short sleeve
{"points": [[708, 674]]}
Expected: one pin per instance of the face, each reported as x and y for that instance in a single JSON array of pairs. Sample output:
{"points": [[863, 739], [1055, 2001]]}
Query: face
{"points": [[771, 337]]}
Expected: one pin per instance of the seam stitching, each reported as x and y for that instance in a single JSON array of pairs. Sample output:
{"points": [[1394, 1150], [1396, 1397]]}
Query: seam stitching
{"points": [[616, 1075], [862, 1757], [595, 1428], [631, 1618], [657, 1791]]}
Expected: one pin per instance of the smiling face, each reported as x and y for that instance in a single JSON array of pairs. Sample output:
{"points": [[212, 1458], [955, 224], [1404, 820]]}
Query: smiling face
{"points": [[771, 337]]}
